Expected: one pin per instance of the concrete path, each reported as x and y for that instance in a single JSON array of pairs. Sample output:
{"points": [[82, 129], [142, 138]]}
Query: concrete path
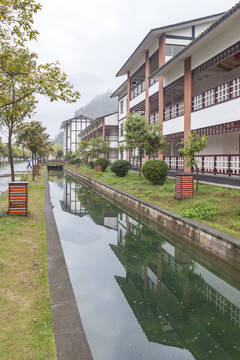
{"points": [[70, 339], [230, 182]]}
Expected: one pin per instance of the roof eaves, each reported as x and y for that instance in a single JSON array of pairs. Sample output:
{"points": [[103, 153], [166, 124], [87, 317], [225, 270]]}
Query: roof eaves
{"points": [[216, 23], [164, 29]]}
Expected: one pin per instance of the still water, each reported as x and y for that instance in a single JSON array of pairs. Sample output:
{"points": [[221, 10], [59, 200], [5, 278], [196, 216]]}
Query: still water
{"points": [[140, 297]]}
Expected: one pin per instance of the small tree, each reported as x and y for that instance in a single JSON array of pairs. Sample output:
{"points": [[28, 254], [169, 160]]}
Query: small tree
{"points": [[192, 146], [98, 146], [33, 137], [83, 150], [143, 138]]}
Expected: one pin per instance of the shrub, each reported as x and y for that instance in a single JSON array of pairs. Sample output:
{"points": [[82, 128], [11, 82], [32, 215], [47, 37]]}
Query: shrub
{"points": [[103, 162], [120, 167], [202, 211], [91, 164], [155, 171]]}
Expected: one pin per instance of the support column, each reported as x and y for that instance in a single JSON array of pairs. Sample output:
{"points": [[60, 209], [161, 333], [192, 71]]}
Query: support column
{"points": [[128, 104], [147, 103], [147, 74], [104, 132], [188, 94], [161, 98]]}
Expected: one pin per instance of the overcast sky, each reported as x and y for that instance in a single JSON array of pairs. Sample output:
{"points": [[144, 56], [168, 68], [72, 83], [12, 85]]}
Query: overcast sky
{"points": [[98, 36]]}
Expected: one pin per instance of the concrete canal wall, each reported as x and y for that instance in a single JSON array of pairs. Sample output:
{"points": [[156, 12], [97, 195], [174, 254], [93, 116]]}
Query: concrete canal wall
{"points": [[218, 243]]}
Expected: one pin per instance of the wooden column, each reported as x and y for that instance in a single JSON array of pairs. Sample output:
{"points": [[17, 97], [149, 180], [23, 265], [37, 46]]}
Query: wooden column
{"points": [[128, 104], [161, 99], [147, 103], [188, 93]]}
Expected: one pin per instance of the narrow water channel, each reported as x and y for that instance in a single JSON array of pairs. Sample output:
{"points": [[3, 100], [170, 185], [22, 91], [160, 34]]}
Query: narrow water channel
{"points": [[139, 296]]}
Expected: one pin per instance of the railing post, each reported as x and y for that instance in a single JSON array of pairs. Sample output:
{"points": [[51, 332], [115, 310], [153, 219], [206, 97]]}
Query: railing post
{"points": [[177, 157], [215, 162], [203, 164], [229, 165]]}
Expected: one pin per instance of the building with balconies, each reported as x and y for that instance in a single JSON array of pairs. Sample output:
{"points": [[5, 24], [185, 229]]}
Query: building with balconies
{"points": [[106, 128], [186, 76]]}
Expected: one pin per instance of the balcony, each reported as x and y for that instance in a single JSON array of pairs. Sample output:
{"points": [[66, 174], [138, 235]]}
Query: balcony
{"points": [[221, 93], [174, 111], [226, 164], [153, 81], [216, 95], [154, 118], [137, 90]]}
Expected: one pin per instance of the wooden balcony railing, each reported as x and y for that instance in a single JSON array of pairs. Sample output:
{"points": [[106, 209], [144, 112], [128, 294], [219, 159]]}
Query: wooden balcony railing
{"points": [[137, 90], [174, 111], [218, 94], [228, 164]]}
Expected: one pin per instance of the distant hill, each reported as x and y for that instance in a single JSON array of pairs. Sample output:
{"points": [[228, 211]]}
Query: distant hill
{"points": [[101, 105], [59, 139]]}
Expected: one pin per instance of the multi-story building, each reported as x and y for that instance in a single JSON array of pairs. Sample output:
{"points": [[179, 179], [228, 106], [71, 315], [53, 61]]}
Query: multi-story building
{"points": [[186, 76], [72, 127], [106, 128]]}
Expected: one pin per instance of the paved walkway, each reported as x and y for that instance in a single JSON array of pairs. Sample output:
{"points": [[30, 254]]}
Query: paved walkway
{"points": [[70, 339], [231, 182]]}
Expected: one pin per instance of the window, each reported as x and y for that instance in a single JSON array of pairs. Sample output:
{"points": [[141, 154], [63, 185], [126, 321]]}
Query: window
{"points": [[121, 106], [172, 50], [121, 129]]}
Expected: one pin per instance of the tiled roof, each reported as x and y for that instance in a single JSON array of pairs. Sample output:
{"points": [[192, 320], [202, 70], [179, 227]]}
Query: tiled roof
{"points": [[216, 23]]}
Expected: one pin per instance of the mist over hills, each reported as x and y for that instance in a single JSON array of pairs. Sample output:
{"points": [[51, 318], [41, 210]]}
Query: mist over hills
{"points": [[99, 106]]}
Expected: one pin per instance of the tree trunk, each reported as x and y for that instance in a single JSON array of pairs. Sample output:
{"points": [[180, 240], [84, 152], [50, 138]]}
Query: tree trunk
{"points": [[11, 154], [32, 167], [197, 178], [140, 166]]}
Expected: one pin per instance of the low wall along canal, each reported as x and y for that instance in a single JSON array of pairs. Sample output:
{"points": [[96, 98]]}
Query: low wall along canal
{"points": [[143, 294]]}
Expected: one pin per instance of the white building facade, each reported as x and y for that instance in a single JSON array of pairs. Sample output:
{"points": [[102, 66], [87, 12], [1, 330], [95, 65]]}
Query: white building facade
{"points": [[187, 77]]}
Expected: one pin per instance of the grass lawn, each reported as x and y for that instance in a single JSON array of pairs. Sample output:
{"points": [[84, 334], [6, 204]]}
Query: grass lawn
{"points": [[25, 313], [215, 206]]}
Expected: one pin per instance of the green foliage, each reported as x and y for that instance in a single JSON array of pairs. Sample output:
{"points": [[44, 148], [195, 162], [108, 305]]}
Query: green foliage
{"points": [[155, 171], [103, 162], [120, 167], [98, 146], [202, 211], [143, 138], [91, 164], [190, 148]]}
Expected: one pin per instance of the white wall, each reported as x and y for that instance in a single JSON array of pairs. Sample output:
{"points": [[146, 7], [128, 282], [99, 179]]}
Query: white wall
{"points": [[222, 144], [124, 100], [111, 119], [173, 126]]}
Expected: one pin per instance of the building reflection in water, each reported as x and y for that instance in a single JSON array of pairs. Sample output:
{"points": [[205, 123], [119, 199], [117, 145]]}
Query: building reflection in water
{"points": [[176, 301]]}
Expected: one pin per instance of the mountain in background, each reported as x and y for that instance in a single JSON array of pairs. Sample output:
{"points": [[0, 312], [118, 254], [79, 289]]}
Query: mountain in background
{"points": [[59, 139], [99, 106]]}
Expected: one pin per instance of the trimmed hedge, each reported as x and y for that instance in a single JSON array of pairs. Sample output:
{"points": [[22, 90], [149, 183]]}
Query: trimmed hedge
{"points": [[120, 167], [155, 171], [103, 162]]}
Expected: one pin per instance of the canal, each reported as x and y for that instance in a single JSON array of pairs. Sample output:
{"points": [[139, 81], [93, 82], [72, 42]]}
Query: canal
{"points": [[139, 296]]}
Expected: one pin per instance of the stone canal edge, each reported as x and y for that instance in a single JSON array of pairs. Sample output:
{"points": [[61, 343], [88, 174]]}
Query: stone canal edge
{"points": [[70, 339], [217, 243]]}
